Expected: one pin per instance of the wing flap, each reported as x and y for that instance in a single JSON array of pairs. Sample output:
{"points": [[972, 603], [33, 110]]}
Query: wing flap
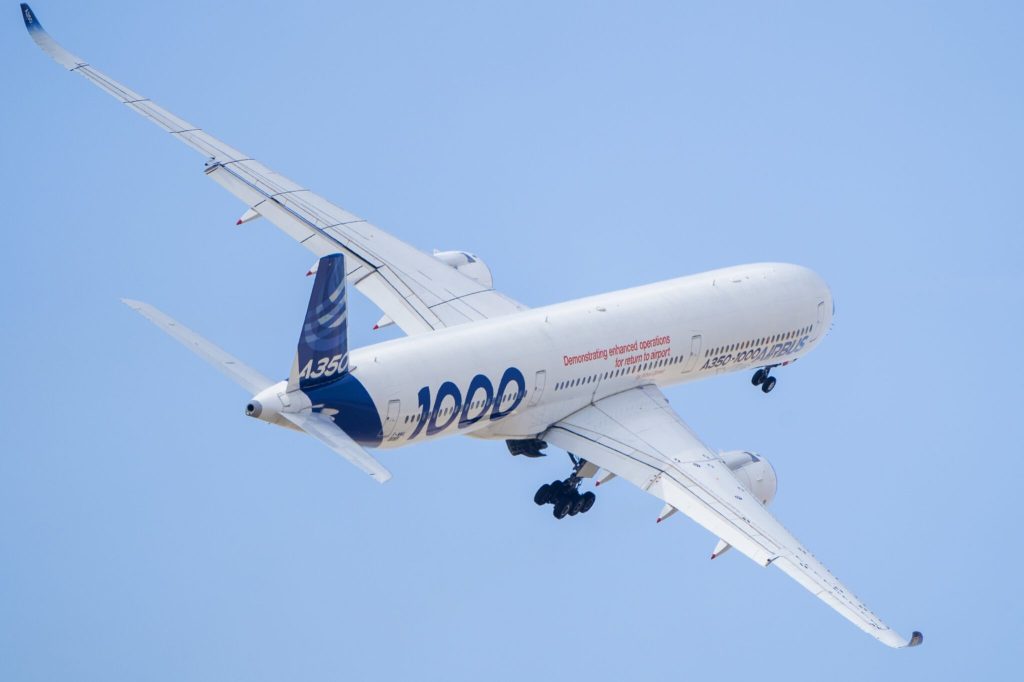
{"points": [[631, 464]]}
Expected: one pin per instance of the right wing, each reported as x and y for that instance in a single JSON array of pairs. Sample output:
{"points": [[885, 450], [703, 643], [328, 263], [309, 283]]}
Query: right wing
{"points": [[417, 291], [637, 436]]}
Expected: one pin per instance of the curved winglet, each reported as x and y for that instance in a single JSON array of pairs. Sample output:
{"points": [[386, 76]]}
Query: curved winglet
{"points": [[915, 639], [31, 23], [48, 44]]}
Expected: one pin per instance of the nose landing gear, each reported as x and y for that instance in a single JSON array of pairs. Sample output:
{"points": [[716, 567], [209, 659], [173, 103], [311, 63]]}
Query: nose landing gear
{"points": [[565, 495], [763, 378]]}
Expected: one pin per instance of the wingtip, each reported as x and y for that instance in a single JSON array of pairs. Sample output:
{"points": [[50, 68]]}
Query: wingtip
{"points": [[46, 43], [915, 639], [31, 20]]}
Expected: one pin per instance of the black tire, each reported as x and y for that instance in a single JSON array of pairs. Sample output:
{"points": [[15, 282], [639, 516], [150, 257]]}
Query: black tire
{"points": [[577, 505], [561, 507], [543, 495], [768, 385], [589, 499], [758, 377]]}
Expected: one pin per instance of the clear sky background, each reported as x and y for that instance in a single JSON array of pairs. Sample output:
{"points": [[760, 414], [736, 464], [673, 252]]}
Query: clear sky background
{"points": [[149, 530]]}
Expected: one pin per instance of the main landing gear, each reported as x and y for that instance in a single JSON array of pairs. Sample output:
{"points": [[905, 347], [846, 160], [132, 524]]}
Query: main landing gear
{"points": [[565, 495], [763, 378], [531, 447]]}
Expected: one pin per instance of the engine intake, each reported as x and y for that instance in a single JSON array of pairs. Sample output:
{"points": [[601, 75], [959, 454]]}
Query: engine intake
{"points": [[754, 472]]}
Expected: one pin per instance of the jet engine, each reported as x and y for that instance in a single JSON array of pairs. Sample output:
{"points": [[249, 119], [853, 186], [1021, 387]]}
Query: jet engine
{"points": [[468, 264], [463, 261], [754, 473]]}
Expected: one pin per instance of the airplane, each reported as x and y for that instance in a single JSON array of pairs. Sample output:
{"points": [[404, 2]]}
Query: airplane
{"points": [[585, 375]]}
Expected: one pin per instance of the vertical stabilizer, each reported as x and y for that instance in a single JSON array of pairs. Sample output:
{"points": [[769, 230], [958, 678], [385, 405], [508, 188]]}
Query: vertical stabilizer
{"points": [[322, 355]]}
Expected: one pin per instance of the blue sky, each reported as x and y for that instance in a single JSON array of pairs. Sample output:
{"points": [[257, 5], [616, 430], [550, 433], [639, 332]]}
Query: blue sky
{"points": [[149, 530]]}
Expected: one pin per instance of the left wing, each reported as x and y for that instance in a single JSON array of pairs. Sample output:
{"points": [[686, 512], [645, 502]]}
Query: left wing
{"points": [[415, 290], [636, 435]]}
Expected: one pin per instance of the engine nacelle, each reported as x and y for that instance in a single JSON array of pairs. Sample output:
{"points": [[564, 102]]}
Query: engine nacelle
{"points": [[467, 264], [754, 472]]}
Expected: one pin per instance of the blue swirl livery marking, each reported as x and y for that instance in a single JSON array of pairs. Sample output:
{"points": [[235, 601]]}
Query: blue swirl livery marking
{"points": [[347, 402], [323, 343]]}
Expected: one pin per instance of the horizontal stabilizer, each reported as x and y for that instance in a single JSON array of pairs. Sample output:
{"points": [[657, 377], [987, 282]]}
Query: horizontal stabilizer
{"points": [[321, 427], [228, 364]]}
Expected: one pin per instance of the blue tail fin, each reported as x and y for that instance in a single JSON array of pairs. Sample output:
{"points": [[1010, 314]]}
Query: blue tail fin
{"points": [[323, 344]]}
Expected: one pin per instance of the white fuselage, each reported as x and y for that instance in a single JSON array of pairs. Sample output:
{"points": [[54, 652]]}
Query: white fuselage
{"points": [[571, 354]]}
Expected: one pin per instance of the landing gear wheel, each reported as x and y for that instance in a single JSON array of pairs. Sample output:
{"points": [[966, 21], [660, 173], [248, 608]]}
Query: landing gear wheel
{"points": [[759, 377], [564, 495], [768, 385]]}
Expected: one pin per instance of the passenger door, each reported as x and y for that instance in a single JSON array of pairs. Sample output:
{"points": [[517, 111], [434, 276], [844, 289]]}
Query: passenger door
{"points": [[691, 361], [391, 421], [539, 381]]}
